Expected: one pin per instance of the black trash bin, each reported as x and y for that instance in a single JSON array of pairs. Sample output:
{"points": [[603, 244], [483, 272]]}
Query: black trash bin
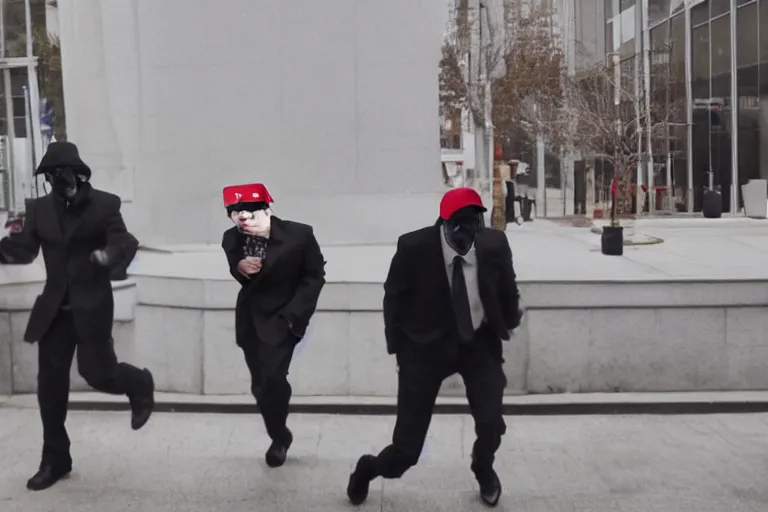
{"points": [[612, 241], [712, 204]]}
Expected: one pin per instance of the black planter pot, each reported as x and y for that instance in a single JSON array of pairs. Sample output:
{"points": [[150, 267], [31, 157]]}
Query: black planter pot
{"points": [[712, 204], [612, 241]]}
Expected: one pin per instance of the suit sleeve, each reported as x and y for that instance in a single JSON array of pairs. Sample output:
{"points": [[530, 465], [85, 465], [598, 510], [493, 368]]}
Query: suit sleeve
{"points": [[121, 246], [304, 301], [22, 248], [510, 294], [233, 249], [395, 287]]}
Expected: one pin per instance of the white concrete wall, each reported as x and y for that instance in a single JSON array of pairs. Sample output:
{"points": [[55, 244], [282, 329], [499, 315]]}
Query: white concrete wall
{"points": [[332, 104], [576, 337], [18, 359]]}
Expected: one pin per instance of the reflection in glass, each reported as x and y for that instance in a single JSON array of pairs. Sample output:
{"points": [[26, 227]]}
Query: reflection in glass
{"points": [[658, 10], [700, 13], [608, 9], [15, 25], [15, 28], [720, 114], [762, 107], [747, 93], [763, 20], [678, 103], [718, 7], [701, 111]]}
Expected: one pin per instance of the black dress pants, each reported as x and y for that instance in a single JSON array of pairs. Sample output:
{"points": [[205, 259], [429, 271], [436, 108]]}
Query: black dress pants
{"points": [[419, 379], [268, 365], [96, 363]]}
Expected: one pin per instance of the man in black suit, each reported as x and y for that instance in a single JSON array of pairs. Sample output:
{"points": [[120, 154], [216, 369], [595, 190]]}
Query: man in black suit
{"points": [[281, 271], [450, 298], [84, 241]]}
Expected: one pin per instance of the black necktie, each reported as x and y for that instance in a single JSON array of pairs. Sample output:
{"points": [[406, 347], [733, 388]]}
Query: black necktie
{"points": [[460, 299]]}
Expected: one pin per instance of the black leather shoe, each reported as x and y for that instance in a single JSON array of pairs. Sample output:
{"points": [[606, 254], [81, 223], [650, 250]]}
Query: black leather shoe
{"points": [[47, 477], [143, 405], [490, 490], [278, 452], [360, 480]]}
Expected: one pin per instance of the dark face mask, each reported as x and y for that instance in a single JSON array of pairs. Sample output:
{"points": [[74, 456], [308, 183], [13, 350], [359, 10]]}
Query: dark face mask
{"points": [[461, 231], [64, 182]]}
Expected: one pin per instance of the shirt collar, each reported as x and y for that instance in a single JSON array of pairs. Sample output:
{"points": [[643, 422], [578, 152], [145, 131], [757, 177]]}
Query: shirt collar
{"points": [[449, 253]]}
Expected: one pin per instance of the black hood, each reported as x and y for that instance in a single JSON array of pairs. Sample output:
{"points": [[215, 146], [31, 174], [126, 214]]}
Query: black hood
{"points": [[63, 154]]}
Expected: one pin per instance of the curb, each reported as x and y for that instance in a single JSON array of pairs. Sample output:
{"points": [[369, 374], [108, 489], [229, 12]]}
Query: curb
{"points": [[540, 409]]}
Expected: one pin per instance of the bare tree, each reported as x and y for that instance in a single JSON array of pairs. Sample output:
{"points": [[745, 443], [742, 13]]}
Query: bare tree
{"points": [[604, 118], [528, 96]]}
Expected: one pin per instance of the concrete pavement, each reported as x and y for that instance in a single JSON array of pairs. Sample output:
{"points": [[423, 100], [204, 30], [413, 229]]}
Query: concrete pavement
{"points": [[190, 463]]}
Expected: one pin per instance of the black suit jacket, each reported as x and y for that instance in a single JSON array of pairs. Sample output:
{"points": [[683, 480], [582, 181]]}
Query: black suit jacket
{"points": [[94, 223], [417, 297], [277, 304]]}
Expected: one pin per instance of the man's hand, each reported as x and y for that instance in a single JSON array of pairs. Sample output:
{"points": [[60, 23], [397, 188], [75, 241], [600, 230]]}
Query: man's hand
{"points": [[100, 257], [15, 225], [249, 266]]}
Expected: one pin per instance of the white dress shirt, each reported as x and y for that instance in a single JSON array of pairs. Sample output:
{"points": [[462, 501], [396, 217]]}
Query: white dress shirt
{"points": [[470, 276]]}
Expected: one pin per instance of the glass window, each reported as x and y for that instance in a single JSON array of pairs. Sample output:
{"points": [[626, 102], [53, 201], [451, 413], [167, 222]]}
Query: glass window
{"points": [[762, 106], [678, 100], [718, 7], [747, 93], [677, 38], [659, 38], [701, 111], [608, 9], [700, 14], [720, 116], [700, 61], [658, 10], [763, 23], [721, 49], [676, 6]]}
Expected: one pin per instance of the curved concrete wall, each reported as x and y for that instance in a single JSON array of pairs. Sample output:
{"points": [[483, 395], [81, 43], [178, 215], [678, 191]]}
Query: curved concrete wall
{"points": [[332, 103]]}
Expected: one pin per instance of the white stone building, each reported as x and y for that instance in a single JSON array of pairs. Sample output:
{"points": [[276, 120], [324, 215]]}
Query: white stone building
{"points": [[332, 104]]}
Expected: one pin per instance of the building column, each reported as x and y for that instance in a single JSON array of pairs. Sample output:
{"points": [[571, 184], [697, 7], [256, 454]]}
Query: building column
{"points": [[734, 114], [689, 106]]}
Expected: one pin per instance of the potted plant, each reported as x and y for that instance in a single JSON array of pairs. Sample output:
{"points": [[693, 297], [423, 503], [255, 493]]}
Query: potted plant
{"points": [[612, 238]]}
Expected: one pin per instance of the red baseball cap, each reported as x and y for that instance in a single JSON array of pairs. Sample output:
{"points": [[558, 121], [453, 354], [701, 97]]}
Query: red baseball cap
{"points": [[252, 193], [458, 198]]}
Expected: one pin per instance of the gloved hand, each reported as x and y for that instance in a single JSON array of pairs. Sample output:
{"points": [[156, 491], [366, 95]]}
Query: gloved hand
{"points": [[100, 257], [14, 225]]}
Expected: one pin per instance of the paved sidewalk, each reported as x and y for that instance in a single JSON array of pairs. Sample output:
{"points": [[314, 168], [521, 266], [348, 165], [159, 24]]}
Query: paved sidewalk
{"points": [[190, 463]]}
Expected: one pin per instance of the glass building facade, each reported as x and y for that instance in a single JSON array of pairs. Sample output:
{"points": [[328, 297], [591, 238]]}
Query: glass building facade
{"points": [[709, 61]]}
